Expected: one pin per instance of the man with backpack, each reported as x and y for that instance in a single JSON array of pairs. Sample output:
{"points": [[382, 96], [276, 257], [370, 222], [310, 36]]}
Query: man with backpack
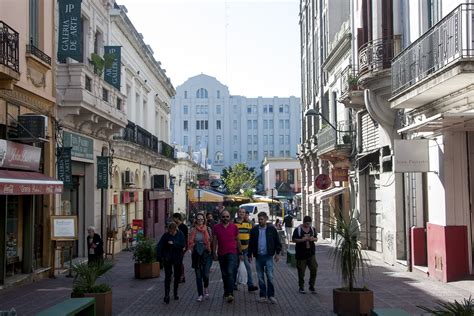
{"points": [[288, 222], [305, 237]]}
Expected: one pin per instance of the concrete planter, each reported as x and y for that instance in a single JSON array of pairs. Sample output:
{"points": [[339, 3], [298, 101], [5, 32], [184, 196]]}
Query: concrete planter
{"points": [[147, 270], [357, 302]]}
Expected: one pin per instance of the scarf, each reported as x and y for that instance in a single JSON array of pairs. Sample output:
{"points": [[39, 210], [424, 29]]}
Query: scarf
{"points": [[192, 238]]}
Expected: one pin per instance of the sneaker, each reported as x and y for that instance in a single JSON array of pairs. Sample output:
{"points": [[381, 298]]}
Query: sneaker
{"points": [[302, 291], [253, 288], [229, 299], [262, 299], [272, 300], [199, 299], [312, 289]]}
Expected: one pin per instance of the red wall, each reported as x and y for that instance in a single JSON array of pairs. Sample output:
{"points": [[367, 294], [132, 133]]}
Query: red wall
{"points": [[447, 252], [418, 246]]}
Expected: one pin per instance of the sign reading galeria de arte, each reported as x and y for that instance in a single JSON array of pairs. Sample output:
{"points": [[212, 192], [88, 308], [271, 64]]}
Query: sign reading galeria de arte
{"points": [[411, 155], [19, 156], [69, 30], [63, 227]]}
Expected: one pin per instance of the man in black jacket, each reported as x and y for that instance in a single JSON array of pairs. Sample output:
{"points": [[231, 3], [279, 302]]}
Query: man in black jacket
{"points": [[264, 245]]}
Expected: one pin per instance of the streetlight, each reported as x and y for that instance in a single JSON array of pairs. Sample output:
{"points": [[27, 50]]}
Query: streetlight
{"points": [[273, 207]]}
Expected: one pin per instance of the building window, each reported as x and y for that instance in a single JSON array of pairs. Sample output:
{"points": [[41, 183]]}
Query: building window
{"points": [[249, 155], [105, 95], [281, 140], [198, 124], [219, 157], [218, 124], [198, 140], [249, 139], [255, 139], [270, 108], [235, 139], [236, 109], [265, 153], [202, 124], [185, 94], [218, 109], [218, 140], [185, 109], [249, 124], [287, 153], [34, 25], [255, 155], [218, 94], [270, 124], [286, 108], [88, 84], [119, 104], [185, 140], [281, 108], [265, 108], [249, 109], [185, 125], [265, 124], [282, 153], [265, 139], [201, 93], [235, 155], [270, 138], [255, 125], [287, 124], [281, 125], [287, 139], [235, 124], [271, 153]]}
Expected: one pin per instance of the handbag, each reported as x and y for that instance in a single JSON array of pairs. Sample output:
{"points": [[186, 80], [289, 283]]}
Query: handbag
{"points": [[242, 273]]}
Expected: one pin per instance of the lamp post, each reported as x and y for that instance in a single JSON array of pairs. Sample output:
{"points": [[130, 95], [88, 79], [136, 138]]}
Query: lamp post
{"points": [[273, 206]]}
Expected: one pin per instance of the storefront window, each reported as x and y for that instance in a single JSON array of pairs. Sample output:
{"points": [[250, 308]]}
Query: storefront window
{"points": [[12, 227]]}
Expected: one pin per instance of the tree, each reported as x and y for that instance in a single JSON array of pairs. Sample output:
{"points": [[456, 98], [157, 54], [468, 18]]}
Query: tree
{"points": [[239, 177]]}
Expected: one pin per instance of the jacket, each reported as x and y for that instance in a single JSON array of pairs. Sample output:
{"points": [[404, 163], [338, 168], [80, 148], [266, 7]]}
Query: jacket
{"points": [[166, 252], [273, 241], [99, 245]]}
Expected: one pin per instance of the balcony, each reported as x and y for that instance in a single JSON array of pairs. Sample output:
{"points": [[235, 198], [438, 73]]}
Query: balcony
{"points": [[38, 53], [352, 95], [9, 56], [142, 139], [375, 58], [437, 67], [335, 144], [88, 102]]}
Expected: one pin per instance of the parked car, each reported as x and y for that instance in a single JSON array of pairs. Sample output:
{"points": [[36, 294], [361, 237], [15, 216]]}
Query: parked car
{"points": [[254, 208]]}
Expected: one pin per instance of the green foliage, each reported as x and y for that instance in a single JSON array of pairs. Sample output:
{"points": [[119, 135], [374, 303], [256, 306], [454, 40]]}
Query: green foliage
{"points": [[145, 251], [464, 308], [100, 63], [239, 177], [86, 275], [347, 254]]}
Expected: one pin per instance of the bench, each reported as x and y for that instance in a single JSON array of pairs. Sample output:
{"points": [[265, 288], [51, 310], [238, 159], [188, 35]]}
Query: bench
{"points": [[389, 312], [84, 306]]}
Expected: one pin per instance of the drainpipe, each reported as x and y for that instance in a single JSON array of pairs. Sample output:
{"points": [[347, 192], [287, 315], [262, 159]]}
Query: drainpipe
{"points": [[406, 217]]}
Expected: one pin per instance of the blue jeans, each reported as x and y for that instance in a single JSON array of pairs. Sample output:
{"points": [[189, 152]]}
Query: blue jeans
{"points": [[247, 267], [202, 274], [227, 263], [264, 264]]}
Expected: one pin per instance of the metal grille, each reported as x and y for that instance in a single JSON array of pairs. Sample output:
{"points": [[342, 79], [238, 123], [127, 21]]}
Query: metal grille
{"points": [[9, 52]]}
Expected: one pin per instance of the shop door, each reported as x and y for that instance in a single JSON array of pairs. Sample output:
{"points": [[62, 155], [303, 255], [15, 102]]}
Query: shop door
{"points": [[71, 205], [375, 213]]}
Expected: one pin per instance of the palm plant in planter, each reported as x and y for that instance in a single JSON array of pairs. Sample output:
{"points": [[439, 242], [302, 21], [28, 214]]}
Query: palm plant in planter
{"points": [[84, 285], [144, 255], [349, 260]]}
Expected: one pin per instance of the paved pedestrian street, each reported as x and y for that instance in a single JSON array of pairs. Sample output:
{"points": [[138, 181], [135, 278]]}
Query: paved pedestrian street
{"points": [[392, 287]]}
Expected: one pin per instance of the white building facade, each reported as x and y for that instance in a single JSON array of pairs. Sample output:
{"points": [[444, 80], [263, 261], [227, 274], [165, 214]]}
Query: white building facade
{"points": [[233, 128]]}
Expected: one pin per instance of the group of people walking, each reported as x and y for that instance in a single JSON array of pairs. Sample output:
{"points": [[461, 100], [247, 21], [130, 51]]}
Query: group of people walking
{"points": [[231, 242]]}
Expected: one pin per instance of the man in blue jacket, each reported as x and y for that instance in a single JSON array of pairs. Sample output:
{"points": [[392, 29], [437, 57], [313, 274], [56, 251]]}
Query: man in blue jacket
{"points": [[264, 245]]}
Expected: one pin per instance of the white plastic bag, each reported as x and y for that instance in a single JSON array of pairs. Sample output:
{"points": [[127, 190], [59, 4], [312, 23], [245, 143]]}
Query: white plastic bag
{"points": [[242, 273]]}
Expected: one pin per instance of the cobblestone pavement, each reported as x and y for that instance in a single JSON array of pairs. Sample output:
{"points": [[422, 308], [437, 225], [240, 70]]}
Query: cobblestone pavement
{"points": [[392, 286]]}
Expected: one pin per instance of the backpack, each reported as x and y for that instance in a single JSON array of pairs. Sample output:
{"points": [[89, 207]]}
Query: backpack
{"points": [[312, 229]]}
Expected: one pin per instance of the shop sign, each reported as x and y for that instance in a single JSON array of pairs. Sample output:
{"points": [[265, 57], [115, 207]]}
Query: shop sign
{"points": [[64, 228], [102, 172], [19, 156], [340, 174], [65, 166], [158, 195], [69, 30], [125, 197], [322, 181], [82, 147], [29, 189], [112, 73], [411, 155]]}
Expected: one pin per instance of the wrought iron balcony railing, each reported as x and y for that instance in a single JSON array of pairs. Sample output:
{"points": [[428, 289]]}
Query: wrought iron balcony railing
{"points": [[138, 135], [9, 51], [328, 137], [449, 40], [33, 50], [377, 55], [349, 78]]}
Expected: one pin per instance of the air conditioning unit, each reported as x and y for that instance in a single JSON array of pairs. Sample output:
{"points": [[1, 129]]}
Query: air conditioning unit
{"points": [[32, 126], [128, 177], [158, 181]]}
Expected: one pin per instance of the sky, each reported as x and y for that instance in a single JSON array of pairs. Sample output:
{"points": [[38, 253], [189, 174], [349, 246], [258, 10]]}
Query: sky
{"points": [[251, 46]]}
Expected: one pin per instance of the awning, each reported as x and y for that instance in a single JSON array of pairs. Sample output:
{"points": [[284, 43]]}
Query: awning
{"points": [[205, 196], [237, 198], [454, 122], [326, 194], [28, 183]]}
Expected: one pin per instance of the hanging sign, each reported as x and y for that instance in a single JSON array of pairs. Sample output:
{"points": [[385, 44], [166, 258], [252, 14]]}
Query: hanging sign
{"points": [[411, 155], [70, 30], [340, 174], [19, 156], [112, 73], [322, 181], [102, 172], [65, 166]]}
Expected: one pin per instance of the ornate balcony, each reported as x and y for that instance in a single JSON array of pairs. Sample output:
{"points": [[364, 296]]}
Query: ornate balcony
{"points": [[88, 102], [352, 95], [335, 144], [9, 56], [437, 65]]}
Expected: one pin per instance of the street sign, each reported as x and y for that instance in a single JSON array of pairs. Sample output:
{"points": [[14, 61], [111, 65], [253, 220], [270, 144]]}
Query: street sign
{"points": [[322, 181]]}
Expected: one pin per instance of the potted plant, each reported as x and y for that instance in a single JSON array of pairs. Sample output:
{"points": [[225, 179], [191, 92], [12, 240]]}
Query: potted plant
{"points": [[100, 63], [465, 307], [352, 82], [144, 255], [84, 285], [349, 260], [347, 138]]}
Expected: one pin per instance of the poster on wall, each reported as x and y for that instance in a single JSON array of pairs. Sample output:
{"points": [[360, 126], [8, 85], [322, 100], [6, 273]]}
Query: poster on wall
{"points": [[64, 228], [137, 229]]}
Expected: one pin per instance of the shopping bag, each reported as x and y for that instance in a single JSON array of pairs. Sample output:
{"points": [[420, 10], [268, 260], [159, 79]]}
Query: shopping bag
{"points": [[242, 273]]}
